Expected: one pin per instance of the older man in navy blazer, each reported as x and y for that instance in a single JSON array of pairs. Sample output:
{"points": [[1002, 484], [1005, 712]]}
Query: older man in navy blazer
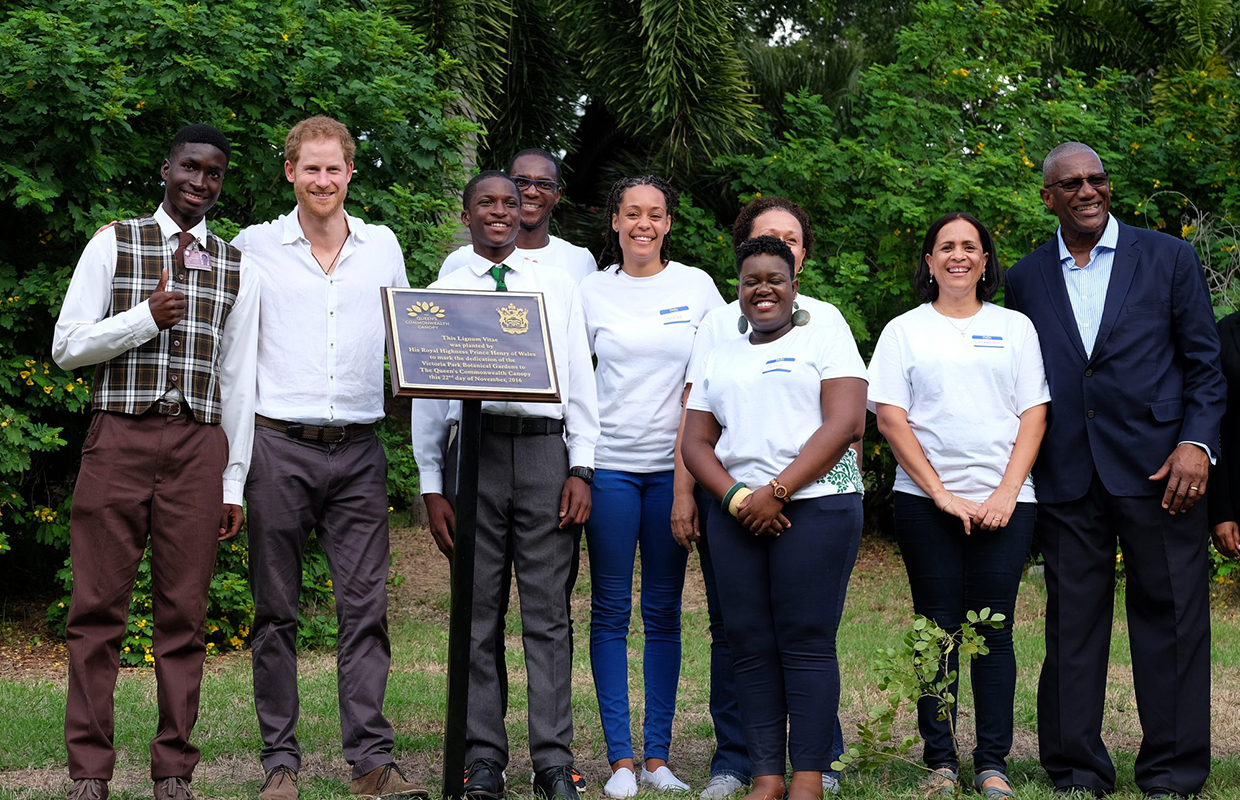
{"points": [[1131, 353]]}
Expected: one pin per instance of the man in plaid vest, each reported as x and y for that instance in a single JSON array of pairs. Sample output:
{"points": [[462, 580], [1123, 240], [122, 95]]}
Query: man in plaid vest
{"points": [[168, 315]]}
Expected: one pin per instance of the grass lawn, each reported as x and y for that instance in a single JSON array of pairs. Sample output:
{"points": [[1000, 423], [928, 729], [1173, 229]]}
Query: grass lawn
{"points": [[32, 759]]}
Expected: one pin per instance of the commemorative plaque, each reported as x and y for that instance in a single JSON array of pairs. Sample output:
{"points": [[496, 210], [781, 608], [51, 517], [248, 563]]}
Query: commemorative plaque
{"points": [[469, 345]]}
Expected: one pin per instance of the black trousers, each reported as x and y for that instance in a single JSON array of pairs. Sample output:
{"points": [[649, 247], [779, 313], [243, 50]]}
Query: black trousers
{"points": [[1167, 599]]}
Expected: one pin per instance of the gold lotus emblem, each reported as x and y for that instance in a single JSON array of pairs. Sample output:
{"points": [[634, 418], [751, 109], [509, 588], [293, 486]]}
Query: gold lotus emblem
{"points": [[425, 309], [512, 319]]}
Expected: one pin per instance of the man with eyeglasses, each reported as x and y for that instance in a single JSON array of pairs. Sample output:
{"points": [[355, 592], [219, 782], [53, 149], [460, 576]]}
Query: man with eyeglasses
{"points": [[537, 175], [1131, 352]]}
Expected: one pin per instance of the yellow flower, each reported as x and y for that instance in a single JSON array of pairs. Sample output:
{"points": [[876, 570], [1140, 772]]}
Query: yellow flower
{"points": [[47, 390], [1135, 146], [148, 658], [141, 623], [138, 105], [1186, 231], [235, 642], [25, 374], [126, 649], [329, 583], [284, 36], [68, 387]]}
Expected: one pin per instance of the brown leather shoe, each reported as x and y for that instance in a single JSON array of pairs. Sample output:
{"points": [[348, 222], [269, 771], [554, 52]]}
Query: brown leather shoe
{"points": [[386, 781], [281, 784], [88, 789], [173, 789]]}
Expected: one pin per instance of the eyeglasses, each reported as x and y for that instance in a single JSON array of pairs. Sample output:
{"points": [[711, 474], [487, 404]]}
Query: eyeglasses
{"points": [[1070, 185], [544, 186]]}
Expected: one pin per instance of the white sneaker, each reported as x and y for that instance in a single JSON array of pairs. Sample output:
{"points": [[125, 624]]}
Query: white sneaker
{"points": [[721, 786], [830, 784], [622, 783], [663, 780]]}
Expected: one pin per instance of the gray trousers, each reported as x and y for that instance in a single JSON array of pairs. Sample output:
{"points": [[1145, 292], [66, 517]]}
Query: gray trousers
{"points": [[520, 479], [339, 491]]}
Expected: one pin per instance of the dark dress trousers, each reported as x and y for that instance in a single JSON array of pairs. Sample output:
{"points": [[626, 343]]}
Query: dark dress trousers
{"points": [[1151, 382], [1224, 486]]}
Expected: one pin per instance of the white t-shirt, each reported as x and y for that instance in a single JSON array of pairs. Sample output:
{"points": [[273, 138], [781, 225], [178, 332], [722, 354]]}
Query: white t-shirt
{"points": [[768, 400], [719, 326], [576, 261], [964, 386], [642, 330]]}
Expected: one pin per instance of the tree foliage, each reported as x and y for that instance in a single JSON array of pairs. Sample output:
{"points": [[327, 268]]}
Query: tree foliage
{"points": [[91, 92]]}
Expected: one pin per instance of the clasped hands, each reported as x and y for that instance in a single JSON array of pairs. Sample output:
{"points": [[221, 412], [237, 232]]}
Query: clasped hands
{"points": [[990, 515]]}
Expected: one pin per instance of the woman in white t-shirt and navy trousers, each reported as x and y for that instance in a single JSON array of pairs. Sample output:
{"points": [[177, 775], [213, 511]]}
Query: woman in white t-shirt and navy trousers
{"points": [[767, 434], [961, 395], [641, 316]]}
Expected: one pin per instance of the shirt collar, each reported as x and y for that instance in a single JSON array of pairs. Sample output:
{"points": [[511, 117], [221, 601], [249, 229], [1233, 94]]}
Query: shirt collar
{"points": [[293, 232], [1109, 240], [170, 229], [480, 265]]}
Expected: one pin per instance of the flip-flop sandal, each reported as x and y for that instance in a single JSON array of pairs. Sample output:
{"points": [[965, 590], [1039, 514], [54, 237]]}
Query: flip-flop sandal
{"points": [[941, 782], [992, 792]]}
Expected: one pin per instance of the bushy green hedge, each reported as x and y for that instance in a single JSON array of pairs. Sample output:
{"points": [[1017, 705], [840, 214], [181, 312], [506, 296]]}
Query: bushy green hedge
{"points": [[91, 92]]}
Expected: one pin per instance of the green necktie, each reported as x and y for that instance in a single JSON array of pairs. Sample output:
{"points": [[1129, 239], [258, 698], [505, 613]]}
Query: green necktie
{"points": [[497, 272]]}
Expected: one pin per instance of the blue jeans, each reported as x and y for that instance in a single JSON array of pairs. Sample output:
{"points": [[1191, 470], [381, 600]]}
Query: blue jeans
{"points": [[632, 508], [951, 574], [782, 598], [731, 756]]}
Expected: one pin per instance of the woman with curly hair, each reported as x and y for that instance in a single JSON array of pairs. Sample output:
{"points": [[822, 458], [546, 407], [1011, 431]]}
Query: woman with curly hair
{"points": [[642, 312]]}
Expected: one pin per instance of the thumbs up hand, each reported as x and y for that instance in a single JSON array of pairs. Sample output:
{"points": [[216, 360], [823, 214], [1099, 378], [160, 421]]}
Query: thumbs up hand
{"points": [[167, 308]]}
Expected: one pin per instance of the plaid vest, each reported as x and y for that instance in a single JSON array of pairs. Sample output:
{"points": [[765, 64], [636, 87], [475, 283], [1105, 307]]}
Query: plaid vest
{"points": [[185, 356]]}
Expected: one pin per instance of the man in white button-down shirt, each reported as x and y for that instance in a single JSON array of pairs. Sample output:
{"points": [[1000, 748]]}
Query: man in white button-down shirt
{"points": [[318, 463], [536, 463]]}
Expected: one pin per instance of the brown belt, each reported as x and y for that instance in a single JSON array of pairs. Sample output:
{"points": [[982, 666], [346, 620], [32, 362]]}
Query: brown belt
{"points": [[314, 433]]}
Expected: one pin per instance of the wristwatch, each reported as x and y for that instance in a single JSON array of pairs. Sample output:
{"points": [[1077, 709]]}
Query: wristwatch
{"points": [[585, 473], [781, 491]]}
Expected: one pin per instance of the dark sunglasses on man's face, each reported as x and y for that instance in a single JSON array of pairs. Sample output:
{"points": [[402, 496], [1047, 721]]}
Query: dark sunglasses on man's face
{"points": [[1070, 185], [544, 186]]}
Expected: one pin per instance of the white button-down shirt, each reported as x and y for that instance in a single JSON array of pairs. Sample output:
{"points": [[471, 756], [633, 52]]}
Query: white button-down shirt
{"points": [[432, 419], [86, 335], [321, 337]]}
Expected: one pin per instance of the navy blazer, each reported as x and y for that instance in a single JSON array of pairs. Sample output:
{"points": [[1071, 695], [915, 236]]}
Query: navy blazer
{"points": [[1152, 381]]}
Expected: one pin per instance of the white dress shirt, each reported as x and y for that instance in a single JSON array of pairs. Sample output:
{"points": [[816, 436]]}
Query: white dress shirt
{"points": [[321, 337], [86, 335], [578, 262], [578, 406]]}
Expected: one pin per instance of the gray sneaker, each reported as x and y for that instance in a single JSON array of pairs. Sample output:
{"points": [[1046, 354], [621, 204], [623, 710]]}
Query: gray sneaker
{"points": [[721, 786], [830, 783]]}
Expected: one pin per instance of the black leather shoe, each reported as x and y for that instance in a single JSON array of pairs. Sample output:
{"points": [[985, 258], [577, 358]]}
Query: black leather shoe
{"points": [[1158, 791], [484, 779], [556, 783], [1077, 791]]}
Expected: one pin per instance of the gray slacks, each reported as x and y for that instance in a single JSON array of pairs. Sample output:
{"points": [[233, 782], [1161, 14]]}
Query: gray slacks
{"points": [[340, 491], [520, 479]]}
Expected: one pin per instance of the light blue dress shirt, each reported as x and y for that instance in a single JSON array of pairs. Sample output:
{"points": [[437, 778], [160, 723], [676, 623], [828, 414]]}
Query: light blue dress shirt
{"points": [[1087, 285]]}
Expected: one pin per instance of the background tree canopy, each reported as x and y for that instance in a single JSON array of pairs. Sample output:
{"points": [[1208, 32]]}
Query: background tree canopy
{"points": [[877, 117]]}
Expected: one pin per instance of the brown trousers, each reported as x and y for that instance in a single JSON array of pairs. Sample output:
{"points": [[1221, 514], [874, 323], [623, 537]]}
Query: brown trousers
{"points": [[156, 477]]}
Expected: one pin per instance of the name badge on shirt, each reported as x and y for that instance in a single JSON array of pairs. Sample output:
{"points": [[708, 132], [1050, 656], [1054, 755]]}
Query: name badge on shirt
{"points": [[674, 316], [992, 342], [778, 365], [197, 259]]}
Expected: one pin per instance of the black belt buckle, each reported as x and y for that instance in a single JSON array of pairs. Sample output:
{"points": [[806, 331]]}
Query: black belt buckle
{"points": [[295, 430]]}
